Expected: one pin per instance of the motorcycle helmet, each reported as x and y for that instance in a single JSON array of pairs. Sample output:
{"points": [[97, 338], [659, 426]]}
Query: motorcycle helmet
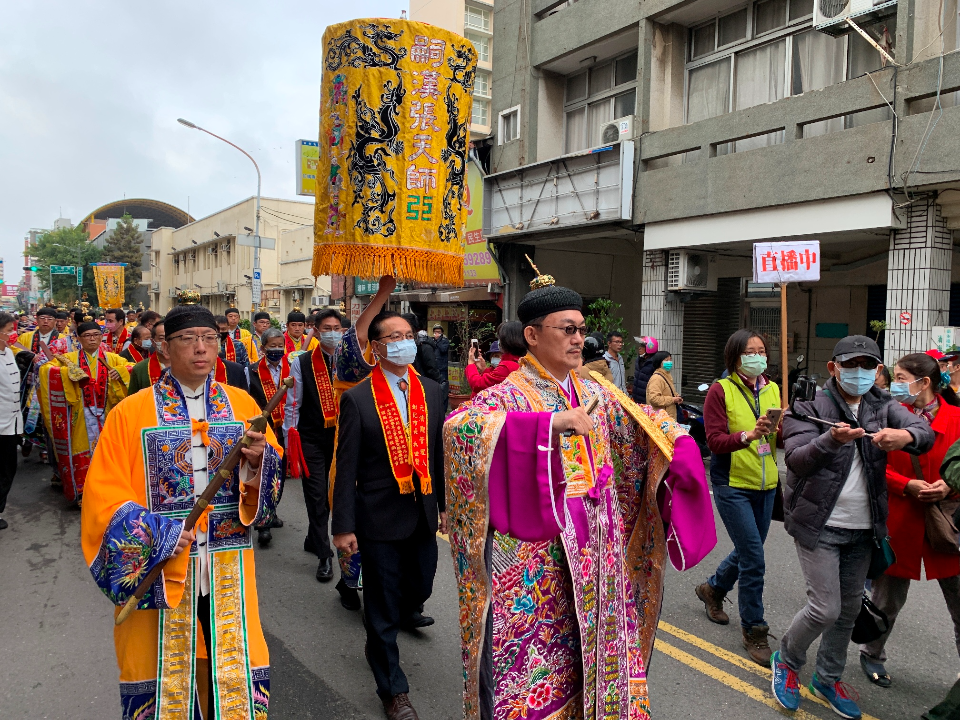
{"points": [[648, 344]]}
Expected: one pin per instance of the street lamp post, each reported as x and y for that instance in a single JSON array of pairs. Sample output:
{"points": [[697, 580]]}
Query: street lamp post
{"points": [[256, 223]]}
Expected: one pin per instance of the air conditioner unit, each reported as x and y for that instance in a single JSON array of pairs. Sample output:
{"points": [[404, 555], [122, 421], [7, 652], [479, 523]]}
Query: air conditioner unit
{"points": [[155, 287], [172, 292], [319, 300], [691, 271], [221, 286], [193, 255], [829, 16], [616, 130], [274, 302]]}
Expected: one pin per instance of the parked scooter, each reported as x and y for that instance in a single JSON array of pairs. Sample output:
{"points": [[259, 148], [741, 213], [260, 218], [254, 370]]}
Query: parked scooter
{"points": [[691, 415]]}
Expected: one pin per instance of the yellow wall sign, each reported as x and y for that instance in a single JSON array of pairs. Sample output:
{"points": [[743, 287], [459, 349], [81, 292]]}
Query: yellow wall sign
{"points": [[307, 153], [479, 267], [395, 111]]}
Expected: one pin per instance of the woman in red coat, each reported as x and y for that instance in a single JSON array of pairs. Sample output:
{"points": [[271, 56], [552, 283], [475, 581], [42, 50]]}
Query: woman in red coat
{"points": [[505, 354], [918, 384]]}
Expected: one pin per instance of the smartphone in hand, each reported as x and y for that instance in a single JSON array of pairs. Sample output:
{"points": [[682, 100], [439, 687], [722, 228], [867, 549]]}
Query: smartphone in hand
{"points": [[775, 414]]}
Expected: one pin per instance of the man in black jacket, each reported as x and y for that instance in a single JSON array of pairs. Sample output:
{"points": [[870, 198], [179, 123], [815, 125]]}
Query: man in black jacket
{"points": [[387, 496], [835, 507]]}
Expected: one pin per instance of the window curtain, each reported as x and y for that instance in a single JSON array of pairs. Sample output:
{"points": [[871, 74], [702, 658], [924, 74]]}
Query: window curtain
{"points": [[708, 95], [817, 63], [575, 135], [760, 79]]}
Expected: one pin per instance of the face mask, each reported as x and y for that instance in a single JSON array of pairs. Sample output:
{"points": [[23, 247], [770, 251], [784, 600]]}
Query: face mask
{"points": [[945, 378], [494, 362], [857, 381], [331, 338], [146, 344], [753, 365], [274, 356], [402, 352], [224, 336], [668, 365], [901, 392]]}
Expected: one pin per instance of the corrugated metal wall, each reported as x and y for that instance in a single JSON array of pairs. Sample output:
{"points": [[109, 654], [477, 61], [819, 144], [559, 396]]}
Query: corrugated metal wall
{"points": [[707, 323]]}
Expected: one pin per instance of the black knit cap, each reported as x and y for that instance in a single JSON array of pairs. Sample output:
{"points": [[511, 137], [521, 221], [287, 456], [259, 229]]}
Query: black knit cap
{"points": [[261, 316], [87, 327], [189, 316], [47, 311], [296, 316], [231, 310], [546, 300]]}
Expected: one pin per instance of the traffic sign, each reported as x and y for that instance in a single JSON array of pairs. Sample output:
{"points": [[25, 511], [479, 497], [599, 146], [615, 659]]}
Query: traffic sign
{"points": [[256, 286], [63, 269]]}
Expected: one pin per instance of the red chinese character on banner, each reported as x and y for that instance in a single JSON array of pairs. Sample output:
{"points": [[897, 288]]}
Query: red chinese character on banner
{"points": [[421, 178], [420, 144], [788, 260], [424, 116], [429, 85], [768, 261]]}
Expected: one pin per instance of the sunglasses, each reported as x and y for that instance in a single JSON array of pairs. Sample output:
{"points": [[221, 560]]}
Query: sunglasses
{"points": [[867, 363]]}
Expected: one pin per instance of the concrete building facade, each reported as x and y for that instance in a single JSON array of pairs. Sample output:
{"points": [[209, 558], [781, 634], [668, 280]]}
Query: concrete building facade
{"points": [[214, 256], [634, 139]]}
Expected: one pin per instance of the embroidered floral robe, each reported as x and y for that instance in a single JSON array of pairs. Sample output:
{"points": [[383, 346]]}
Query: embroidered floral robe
{"points": [[559, 623], [139, 490]]}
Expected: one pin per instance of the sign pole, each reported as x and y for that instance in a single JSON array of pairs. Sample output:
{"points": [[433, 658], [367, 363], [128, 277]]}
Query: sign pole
{"points": [[784, 365]]}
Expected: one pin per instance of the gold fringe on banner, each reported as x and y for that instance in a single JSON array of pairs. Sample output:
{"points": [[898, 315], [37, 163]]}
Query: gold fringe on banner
{"points": [[374, 261]]}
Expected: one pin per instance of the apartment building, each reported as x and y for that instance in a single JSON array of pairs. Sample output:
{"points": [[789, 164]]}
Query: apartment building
{"points": [[641, 148], [474, 20], [214, 256]]}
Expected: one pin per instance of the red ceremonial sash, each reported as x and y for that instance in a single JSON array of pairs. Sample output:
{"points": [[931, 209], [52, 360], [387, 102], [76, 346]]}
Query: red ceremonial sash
{"points": [[94, 391], [270, 389], [121, 339], [220, 371], [407, 445], [154, 369], [137, 356], [229, 350], [328, 401], [290, 346]]}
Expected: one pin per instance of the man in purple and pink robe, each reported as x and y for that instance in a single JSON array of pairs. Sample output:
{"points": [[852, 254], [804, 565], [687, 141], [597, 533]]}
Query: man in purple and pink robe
{"points": [[560, 523]]}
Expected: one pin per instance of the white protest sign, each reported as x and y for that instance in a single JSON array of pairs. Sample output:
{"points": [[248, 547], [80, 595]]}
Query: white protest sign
{"points": [[782, 262]]}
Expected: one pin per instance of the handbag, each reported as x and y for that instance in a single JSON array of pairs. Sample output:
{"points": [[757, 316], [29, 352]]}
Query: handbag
{"points": [[870, 624], [941, 532], [881, 558]]}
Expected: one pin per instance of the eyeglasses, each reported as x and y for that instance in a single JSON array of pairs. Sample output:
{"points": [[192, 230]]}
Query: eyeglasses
{"points": [[762, 353], [191, 339], [92, 336], [396, 337], [569, 329], [867, 363]]}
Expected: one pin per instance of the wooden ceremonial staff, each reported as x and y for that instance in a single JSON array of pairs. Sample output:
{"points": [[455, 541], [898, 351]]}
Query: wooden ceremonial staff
{"points": [[258, 424]]}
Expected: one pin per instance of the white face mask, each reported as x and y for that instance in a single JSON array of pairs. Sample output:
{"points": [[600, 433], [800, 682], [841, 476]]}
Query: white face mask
{"points": [[330, 338], [402, 352]]}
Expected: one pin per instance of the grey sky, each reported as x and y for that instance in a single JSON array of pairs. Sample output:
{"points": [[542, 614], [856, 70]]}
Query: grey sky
{"points": [[90, 93]]}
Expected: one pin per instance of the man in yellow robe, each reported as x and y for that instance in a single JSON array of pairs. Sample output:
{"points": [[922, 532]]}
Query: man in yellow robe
{"points": [[244, 336], [156, 453], [76, 395]]}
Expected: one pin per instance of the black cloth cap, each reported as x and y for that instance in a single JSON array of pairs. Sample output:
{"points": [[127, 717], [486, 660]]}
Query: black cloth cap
{"points": [[544, 301], [261, 316], [189, 316], [296, 317], [87, 327], [231, 310], [47, 311], [856, 346]]}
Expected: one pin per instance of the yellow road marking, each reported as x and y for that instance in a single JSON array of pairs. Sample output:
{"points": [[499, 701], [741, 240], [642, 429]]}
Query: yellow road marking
{"points": [[730, 681], [739, 661]]}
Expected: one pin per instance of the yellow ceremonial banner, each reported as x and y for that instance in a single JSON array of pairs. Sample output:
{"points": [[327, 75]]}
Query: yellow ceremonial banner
{"points": [[108, 278], [391, 176]]}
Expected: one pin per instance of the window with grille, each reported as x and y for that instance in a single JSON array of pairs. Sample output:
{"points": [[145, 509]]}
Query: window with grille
{"points": [[482, 44], [474, 17]]}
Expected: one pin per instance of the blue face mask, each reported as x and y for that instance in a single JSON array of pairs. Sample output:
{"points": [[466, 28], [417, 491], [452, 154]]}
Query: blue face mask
{"points": [[403, 352], [331, 338], [857, 381], [901, 392], [146, 344], [668, 365], [944, 379], [274, 356]]}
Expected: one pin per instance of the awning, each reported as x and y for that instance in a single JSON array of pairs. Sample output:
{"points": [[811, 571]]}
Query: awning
{"points": [[471, 294]]}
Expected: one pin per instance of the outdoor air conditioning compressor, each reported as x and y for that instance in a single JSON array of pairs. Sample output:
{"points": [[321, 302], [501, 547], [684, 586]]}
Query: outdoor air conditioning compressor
{"points": [[691, 271]]}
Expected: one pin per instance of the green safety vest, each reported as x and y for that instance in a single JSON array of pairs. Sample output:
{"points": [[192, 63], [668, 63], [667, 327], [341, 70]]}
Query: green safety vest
{"points": [[747, 469]]}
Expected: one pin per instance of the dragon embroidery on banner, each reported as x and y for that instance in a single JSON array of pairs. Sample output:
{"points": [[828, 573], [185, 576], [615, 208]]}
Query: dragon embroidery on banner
{"points": [[463, 67], [376, 138], [455, 157], [350, 50]]}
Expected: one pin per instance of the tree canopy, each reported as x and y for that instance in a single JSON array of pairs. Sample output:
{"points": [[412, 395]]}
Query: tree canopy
{"points": [[66, 246], [123, 246]]}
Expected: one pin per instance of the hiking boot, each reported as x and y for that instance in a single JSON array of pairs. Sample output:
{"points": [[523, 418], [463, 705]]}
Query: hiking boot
{"points": [[712, 600], [756, 644]]}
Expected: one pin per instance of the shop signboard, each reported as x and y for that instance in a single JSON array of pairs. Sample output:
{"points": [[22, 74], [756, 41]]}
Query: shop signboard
{"points": [[946, 338], [306, 163], [479, 267]]}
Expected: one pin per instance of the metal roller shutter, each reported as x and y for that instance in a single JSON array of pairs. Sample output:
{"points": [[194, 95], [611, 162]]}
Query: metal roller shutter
{"points": [[707, 323]]}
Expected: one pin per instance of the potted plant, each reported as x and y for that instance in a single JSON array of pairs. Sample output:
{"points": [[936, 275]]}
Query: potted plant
{"points": [[461, 333]]}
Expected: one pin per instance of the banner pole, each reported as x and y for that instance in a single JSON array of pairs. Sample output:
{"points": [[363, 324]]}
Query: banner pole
{"points": [[784, 365]]}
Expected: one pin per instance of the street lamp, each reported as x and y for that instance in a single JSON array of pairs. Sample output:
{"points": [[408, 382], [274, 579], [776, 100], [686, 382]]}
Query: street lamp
{"points": [[256, 232]]}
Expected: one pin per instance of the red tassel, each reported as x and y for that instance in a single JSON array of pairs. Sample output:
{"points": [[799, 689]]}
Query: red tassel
{"points": [[296, 463]]}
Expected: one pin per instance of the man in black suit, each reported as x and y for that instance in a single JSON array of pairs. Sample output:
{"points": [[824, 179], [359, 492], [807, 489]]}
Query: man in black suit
{"points": [[387, 498]]}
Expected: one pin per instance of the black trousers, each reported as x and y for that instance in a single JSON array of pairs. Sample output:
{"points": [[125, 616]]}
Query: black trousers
{"points": [[319, 455], [203, 615], [8, 466], [397, 580]]}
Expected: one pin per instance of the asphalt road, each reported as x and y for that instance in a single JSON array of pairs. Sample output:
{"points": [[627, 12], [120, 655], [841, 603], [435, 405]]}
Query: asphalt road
{"points": [[57, 659]]}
